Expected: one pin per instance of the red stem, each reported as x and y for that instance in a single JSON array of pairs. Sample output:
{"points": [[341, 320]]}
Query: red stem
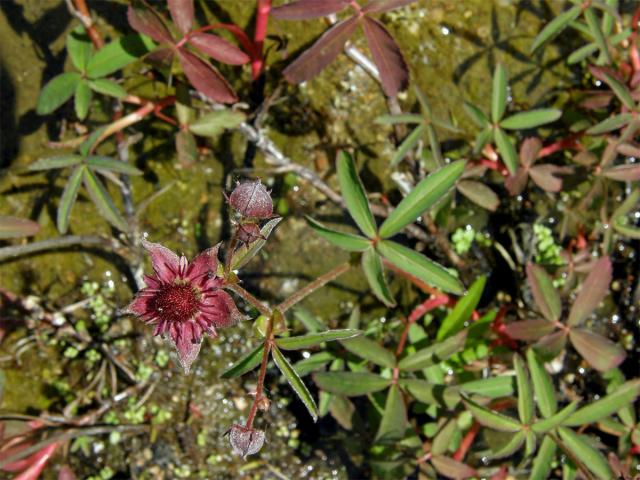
{"points": [[633, 48], [94, 35], [262, 21], [263, 372]]}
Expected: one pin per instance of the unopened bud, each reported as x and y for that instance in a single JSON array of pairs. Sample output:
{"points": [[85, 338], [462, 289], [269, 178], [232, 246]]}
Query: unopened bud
{"points": [[248, 233], [252, 199], [245, 440]]}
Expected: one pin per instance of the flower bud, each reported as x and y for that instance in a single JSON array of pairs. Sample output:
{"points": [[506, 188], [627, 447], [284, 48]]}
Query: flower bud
{"points": [[248, 233], [252, 199], [245, 440]]}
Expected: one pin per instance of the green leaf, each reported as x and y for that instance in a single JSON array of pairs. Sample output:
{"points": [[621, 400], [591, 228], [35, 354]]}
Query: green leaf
{"points": [[479, 194], [82, 99], [247, 363], [15, 227], [310, 321], [582, 449], [543, 461], [408, 144], [454, 322], [111, 164], [544, 293], [394, 419], [555, 26], [581, 53], [499, 93], [354, 194], [431, 393], [246, 252], [623, 395], [542, 385], [422, 197], [531, 119], [372, 268], [433, 354], [79, 47], [612, 123], [482, 138], [451, 468], [600, 352], [444, 437], [296, 383], [343, 240], [118, 54], [626, 230], [56, 92], [525, 396], [420, 266], [107, 87], [511, 447], [491, 419], [68, 198], [594, 27], [619, 89], [312, 363], [351, 384], [476, 114], [101, 199], [401, 118], [60, 161], [370, 350], [555, 420], [214, 123], [507, 150], [593, 291], [313, 339], [492, 387]]}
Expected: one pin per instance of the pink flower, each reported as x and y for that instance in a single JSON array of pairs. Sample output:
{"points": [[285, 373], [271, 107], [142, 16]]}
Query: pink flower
{"points": [[184, 300]]}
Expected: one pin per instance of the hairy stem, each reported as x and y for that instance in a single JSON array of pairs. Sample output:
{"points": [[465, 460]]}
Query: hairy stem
{"points": [[263, 372], [247, 297], [313, 286]]}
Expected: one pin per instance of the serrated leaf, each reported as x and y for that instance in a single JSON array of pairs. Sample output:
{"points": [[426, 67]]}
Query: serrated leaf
{"points": [[313, 339], [15, 227], [118, 54], [111, 164], [544, 293], [582, 449], [543, 426], [68, 198], [525, 396], [370, 350], [343, 240], [102, 200], [506, 149], [422, 197], [601, 353], [623, 395], [434, 353], [454, 321], [499, 93], [56, 92], [216, 122], [351, 384], [393, 424], [542, 385], [491, 419], [83, 97], [531, 119], [555, 26], [479, 194], [374, 273], [354, 194], [296, 383], [246, 252], [247, 363], [420, 266], [60, 161], [543, 462], [107, 87], [79, 48], [592, 292]]}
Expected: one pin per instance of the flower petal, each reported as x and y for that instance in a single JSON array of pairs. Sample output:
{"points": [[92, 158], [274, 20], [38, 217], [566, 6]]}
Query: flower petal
{"points": [[141, 304], [204, 266], [219, 309], [166, 263], [187, 342]]}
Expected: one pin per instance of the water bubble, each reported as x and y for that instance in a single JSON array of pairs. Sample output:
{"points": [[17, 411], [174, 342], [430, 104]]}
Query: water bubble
{"points": [[445, 31]]}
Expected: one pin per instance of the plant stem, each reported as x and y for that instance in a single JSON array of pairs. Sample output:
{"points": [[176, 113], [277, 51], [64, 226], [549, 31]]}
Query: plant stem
{"points": [[81, 12], [247, 297], [313, 286], [262, 20], [59, 242], [263, 372]]}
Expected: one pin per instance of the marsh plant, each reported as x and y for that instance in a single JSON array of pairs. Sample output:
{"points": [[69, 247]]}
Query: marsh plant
{"points": [[470, 372]]}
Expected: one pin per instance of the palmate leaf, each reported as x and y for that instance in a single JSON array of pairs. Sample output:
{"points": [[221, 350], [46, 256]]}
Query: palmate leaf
{"points": [[544, 293], [60, 161], [351, 384], [542, 385], [308, 9], [612, 123], [619, 89], [354, 194], [343, 240], [14, 227], [218, 49], [102, 200], [68, 198], [592, 292], [422, 197], [247, 363], [147, 22], [111, 164], [107, 87], [182, 13], [555, 26], [492, 387], [601, 353], [476, 115], [295, 382], [431, 393], [582, 449], [479, 194], [491, 419], [314, 339], [529, 330], [55, 93], [118, 54], [525, 396], [555, 420], [393, 424], [370, 350], [622, 396], [374, 273], [499, 93], [507, 150], [454, 321], [594, 27], [205, 78], [79, 48], [623, 173], [531, 119], [83, 98], [433, 354], [510, 447]]}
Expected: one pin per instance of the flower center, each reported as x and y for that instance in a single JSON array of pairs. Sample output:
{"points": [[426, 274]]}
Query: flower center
{"points": [[176, 302]]}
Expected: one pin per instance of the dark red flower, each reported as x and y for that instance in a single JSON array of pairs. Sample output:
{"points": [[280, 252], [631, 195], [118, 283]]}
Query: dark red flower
{"points": [[252, 199], [245, 440], [184, 300]]}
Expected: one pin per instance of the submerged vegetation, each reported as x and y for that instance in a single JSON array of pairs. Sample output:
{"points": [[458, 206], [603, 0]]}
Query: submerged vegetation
{"points": [[386, 280]]}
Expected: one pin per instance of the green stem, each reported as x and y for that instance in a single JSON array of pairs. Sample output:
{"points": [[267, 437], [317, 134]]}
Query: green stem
{"points": [[313, 286]]}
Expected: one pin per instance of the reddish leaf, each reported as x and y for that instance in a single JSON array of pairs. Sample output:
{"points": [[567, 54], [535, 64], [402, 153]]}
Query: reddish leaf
{"points": [[592, 292], [307, 9], [629, 149], [515, 183], [206, 79], [218, 49], [161, 57], [451, 468], [544, 293], [11, 227], [529, 330], [544, 177], [624, 173], [394, 73], [380, 6], [146, 21], [601, 353], [321, 53], [182, 14], [551, 345], [529, 151], [479, 194]]}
